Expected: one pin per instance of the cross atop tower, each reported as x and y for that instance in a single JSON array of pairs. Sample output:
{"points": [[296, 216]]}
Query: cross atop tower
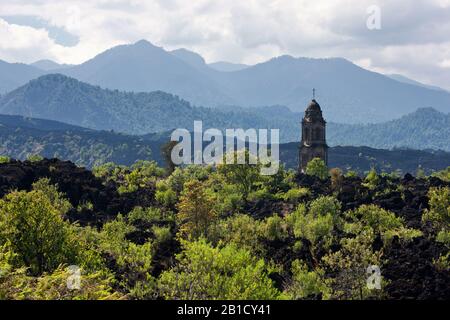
{"points": [[314, 93]]}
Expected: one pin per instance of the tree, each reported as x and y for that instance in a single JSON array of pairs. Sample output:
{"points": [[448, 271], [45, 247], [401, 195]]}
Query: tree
{"points": [[4, 159], [316, 224], [316, 167], [32, 223], [133, 261], [350, 264], [439, 213], [336, 179], [206, 272], [195, 211], [420, 173], [166, 151], [307, 284], [372, 179], [245, 176], [380, 221]]}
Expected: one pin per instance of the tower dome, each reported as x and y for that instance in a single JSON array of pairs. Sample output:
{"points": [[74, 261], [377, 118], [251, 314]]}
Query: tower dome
{"points": [[313, 143], [313, 111]]}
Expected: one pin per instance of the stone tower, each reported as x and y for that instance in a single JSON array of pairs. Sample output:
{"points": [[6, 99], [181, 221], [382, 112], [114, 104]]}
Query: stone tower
{"points": [[313, 144]]}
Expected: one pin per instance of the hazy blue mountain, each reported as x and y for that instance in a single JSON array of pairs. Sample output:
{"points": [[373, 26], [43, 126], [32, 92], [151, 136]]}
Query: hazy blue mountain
{"points": [[424, 129], [346, 92], [227, 66], [191, 58], [400, 78], [60, 98], [143, 67], [49, 65], [13, 75]]}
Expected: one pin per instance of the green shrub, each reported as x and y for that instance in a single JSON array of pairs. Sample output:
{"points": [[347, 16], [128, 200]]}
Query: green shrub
{"points": [[5, 159], [317, 167], [206, 272], [307, 284], [32, 223]]}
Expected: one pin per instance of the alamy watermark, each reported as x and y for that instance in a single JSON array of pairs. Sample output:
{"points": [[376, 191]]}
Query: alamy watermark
{"points": [[373, 21], [236, 140], [374, 279], [74, 279]]}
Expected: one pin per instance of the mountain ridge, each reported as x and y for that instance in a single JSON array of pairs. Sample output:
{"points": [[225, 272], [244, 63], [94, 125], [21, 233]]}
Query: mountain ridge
{"points": [[348, 93], [60, 98]]}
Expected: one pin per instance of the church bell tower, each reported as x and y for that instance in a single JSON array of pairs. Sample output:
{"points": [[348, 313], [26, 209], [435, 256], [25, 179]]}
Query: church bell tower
{"points": [[313, 143]]}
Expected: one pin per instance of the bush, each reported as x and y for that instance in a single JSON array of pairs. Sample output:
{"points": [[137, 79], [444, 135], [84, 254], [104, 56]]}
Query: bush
{"points": [[4, 159], [32, 223], [317, 167], [317, 225], [439, 212], [350, 264], [296, 194], [372, 179], [206, 272], [274, 228], [241, 230], [165, 195], [307, 284], [35, 158], [380, 221]]}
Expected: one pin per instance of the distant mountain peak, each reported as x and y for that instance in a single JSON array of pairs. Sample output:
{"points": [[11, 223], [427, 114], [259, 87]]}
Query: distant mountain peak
{"points": [[190, 57]]}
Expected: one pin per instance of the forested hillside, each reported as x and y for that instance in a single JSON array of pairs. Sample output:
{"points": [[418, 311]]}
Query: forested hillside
{"points": [[21, 137], [59, 98]]}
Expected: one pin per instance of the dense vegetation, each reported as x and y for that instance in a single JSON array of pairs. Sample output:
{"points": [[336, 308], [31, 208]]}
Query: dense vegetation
{"points": [[226, 232], [21, 137]]}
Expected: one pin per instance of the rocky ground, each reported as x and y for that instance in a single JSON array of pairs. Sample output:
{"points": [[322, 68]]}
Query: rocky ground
{"points": [[409, 266]]}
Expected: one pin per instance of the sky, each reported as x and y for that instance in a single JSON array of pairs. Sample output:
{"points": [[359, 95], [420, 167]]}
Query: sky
{"points": [[408, 37]]}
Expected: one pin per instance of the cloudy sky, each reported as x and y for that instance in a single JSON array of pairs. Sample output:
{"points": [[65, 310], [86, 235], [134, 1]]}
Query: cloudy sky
{"points": [[414, 39]]}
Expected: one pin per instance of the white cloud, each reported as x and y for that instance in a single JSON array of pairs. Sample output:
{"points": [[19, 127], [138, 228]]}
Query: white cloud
{"points": [[414, 39]]}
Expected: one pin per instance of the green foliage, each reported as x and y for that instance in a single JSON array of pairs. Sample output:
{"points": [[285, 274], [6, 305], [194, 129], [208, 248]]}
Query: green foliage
{"points": [[307, 284], [196, 215], [380, 221], [35, 158], [134, 261], [141, 175], [242, 231], [32, 224], [420, 173], [316, 224], [351, 174], [444, 175], [439, 213], [164, 194], [274, 228], [16, 284], [4, 159], [372, 179], [317, 167], [245, 176], [350, 264], [294, 195], [206, 272]]}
